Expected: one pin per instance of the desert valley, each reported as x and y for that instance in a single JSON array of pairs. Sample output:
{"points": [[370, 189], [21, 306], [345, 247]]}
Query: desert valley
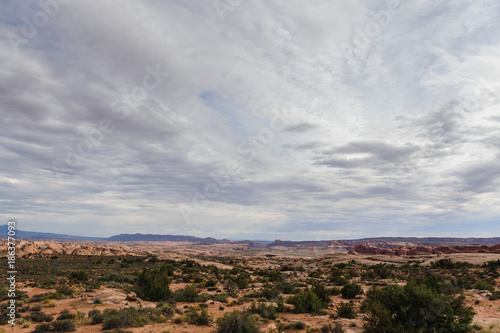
{"points": [[327, 286]]}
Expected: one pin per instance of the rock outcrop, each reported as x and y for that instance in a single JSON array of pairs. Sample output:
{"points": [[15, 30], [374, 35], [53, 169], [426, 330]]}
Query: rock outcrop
{"points": [[416, 250], [50, 248]]}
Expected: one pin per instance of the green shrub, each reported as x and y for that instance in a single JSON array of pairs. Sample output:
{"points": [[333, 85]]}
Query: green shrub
{"points": [[56, 326], [63, 326], [80, 276], [153, 285], [197, 316], [299, 325], [332, 329], [65, 290], [96, 317], [483, 285], [40, 317], [242, 280], [351, 290], [346, 310], [188, 294], [210, 283], [322, 292], [415, 308], [130, 317], [237, 322], [36, 308], [306, 301], [42, 328], [448, 264], [65, 314], [263, 310], [166, 309]]}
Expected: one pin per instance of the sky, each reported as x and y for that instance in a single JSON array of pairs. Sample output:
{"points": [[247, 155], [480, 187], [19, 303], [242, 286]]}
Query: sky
{"points": [[281, 119]]}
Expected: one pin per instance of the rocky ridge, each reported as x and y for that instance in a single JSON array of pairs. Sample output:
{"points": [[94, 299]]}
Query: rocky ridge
{"points": [[70, 248], [416, 250]]}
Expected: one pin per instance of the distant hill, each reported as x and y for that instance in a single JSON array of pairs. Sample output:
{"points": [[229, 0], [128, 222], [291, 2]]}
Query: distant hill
{"points": [[381, 242], [34, 235], [389, 242], [167, 238]]}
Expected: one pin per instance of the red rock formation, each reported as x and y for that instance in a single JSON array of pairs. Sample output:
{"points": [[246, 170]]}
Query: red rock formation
{"points": [[416, 250]]}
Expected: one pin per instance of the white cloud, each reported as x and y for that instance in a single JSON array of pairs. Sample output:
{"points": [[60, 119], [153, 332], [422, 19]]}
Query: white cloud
{"points": [[398, 134]]}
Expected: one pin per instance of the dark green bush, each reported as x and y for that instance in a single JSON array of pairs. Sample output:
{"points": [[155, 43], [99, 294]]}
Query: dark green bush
{"points": [[415, 308], [299, 325], [263, 310], [323, 293], [346, 310], [40, 317], [65, 314], [306, 301], [65, 290], [80, 276], [351, 290], [42, 328], [36, 308], [96, 317], [188, 294], [153, 285], [332, 329], [483, 285], [237, 322], [166, 309], [448, 264], [56, 326], [63, 326], [129, 317], [210, 283], [197, 316]]}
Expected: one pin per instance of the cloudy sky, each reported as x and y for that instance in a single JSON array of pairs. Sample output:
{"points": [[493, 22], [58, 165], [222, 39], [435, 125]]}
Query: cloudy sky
{"points": [[287, 119]]}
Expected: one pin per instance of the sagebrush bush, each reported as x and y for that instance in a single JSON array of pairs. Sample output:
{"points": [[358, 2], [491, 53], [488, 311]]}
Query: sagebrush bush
{"points": [[306, 301], [80, 276], [63, 326], [40, 317], [188, 294], [483, 285], [153, 285], [130, 317], [197, 316], [96, 317], [351, 290], [415, 308], [263, 310], [237, 322], [346, 310], [337, 328]]}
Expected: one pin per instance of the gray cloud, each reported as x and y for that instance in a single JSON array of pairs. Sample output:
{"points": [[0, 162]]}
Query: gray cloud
{"points": [[401, 134]]}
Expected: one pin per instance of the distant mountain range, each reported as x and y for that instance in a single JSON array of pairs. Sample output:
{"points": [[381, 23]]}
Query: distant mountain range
{"points": [[20, 234], [381, 242]]}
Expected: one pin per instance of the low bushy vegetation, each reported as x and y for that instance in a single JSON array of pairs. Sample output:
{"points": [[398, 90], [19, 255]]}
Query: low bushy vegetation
{"points": [[130, 317], [153, 285], [237, 322], [306, 301], [415, 308], [351, 290], [430, 301]]}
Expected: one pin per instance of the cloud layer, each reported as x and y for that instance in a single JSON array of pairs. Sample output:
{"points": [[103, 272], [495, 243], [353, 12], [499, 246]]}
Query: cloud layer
{"points": [[283, 119]]}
